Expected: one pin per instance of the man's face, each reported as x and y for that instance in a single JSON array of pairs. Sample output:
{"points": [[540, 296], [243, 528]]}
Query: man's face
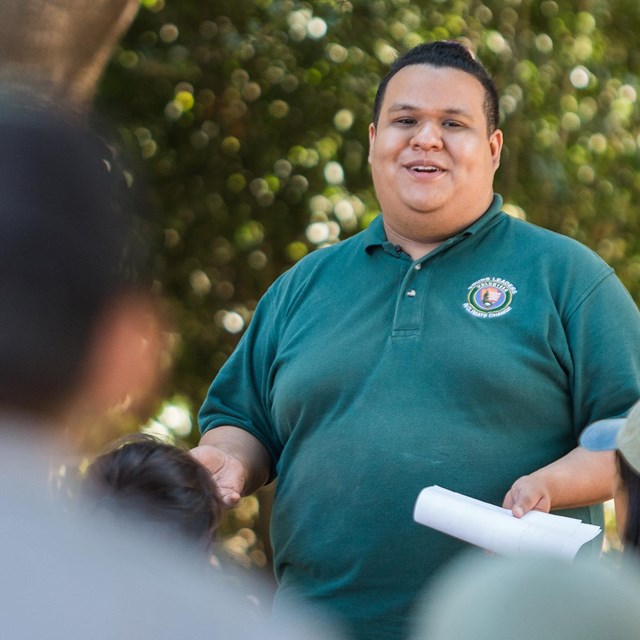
{"points": [[431, 155]]}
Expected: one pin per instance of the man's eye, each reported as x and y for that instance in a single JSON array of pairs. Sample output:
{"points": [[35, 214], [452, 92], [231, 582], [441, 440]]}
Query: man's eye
{"points": [[451, 124], [406, 121]]}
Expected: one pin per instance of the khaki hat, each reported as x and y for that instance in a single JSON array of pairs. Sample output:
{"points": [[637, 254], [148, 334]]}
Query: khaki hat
{"points": [[479, 597], [622, 434]]}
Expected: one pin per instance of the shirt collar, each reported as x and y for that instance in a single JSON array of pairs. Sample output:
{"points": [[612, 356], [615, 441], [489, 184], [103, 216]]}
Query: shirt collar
{"points": [[375, 236]]}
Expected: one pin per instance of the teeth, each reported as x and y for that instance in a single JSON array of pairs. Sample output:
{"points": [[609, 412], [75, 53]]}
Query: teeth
{"points": [[426, 169]]}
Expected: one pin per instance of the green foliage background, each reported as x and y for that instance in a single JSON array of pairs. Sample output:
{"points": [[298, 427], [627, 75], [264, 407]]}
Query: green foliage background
{"points": [[249, 120]]}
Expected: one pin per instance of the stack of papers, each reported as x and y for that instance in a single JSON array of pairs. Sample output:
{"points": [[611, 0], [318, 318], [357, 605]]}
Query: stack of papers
{"points": [[496, 529]]}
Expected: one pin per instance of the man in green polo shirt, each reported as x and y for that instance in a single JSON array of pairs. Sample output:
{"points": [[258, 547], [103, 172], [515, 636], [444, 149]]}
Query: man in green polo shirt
{"points": [[447, 344]]}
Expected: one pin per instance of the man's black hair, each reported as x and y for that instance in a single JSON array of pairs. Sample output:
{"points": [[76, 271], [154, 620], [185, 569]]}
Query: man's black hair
{"points": [[445, 53]]}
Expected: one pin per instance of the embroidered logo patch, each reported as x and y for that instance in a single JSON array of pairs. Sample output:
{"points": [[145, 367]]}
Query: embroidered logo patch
{"points": [[490, 297]]}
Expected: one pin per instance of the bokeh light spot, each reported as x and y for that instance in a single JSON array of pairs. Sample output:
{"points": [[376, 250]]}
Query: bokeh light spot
{"points": [[579, 77]]}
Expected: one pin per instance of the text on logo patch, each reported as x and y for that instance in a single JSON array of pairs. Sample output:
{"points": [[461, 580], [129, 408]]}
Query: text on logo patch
{"points": [[490, 297]]}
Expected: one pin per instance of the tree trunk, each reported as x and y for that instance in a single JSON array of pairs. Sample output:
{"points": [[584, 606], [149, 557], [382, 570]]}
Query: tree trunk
{"points": [[58, 49]]}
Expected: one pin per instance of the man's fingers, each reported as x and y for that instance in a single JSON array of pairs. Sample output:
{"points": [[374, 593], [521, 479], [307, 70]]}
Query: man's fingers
{"points": [[507, 503], [230, 499], [519, 503], [525, 506], [524, 502], [203, 456], [526, 494], [225, 471], [517, 511]]}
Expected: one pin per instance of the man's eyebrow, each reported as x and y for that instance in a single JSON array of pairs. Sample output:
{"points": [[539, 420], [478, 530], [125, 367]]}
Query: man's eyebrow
{"points": [[399, 106], [451, 111]]}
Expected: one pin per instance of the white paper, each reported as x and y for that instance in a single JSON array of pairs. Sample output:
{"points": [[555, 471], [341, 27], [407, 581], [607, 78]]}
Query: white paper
{"points": [[496, 529]]}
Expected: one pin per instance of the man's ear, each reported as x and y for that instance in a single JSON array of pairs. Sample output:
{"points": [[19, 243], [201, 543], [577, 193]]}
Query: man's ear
{"points": [[124, 361], [372, 139], [495, 145]]}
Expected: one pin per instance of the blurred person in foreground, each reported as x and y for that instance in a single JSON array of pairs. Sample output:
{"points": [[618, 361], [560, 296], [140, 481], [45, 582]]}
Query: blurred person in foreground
{"points": [[78, 333], [621, 435], [447, 344], [531, 598]]}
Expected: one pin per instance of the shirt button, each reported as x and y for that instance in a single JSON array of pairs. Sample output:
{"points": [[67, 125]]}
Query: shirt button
{"points": [[418, 266], [411, 293]]}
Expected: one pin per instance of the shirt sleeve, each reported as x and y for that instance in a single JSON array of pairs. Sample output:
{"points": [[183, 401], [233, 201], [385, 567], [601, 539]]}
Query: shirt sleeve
{"points": [[603, 333], [239, 394]]}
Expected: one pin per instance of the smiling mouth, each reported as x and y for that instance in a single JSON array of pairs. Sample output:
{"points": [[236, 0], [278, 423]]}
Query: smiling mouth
{"points": [[419, 168]]}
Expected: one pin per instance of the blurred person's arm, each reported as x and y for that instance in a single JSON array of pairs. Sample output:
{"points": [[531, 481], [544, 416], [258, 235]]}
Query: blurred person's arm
{"points": [[237, 461]]}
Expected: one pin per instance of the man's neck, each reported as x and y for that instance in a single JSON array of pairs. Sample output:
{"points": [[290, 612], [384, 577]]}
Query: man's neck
{"points": [[417, 241], [415, 248]]}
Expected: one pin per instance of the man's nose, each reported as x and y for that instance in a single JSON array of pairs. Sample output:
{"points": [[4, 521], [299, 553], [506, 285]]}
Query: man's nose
{"points": [[427, 136]]}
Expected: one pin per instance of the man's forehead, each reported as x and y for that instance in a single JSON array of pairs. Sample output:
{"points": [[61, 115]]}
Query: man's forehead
{"points": [[449, 88]]}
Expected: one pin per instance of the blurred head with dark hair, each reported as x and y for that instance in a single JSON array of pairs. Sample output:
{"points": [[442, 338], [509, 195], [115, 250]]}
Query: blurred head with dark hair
{"points": [[74, 323], [160, 484]]}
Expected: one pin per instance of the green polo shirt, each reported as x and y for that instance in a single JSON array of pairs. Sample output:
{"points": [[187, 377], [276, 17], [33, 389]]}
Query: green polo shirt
{"points": [[368, 376]]}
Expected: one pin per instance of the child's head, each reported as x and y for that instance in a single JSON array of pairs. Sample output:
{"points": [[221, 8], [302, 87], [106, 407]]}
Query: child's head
{"points": [[621, 435], [159, 483]]}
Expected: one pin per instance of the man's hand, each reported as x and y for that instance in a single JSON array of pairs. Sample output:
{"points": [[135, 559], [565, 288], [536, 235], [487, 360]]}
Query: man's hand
{"points": [[527, 493], [578, 479], [227, 472], [237, 461]]}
